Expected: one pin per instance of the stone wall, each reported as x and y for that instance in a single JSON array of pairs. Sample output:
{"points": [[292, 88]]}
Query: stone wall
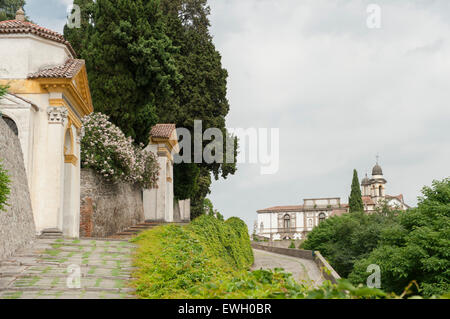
{"points": [[17, 227], [108, 208]]}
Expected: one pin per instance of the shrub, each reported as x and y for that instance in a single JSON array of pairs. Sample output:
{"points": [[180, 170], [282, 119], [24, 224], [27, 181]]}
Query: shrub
{"points": [[416, 248], [4, 188], [106, 149], [292, 245], [176, 262]]}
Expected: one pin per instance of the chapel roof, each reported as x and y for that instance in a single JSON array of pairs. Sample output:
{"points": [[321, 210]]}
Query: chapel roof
{"points": [[294, 208], [25, 27], [67, 70], [162, 130]]}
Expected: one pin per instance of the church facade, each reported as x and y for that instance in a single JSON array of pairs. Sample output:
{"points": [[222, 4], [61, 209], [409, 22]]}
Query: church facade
{"points": [[295, 222]]}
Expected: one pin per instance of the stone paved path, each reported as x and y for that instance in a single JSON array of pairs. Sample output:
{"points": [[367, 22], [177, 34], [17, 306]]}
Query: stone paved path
{"points": [[43, 270], [303, 270]]}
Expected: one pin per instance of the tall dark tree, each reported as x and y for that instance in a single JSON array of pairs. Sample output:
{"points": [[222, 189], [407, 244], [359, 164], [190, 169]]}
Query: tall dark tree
{"points": [[8, 8], [129, 59], [355, 200], [200, 95]]}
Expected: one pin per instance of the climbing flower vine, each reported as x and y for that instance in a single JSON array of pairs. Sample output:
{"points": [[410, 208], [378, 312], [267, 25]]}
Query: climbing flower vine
{"points": [[106, 149]]}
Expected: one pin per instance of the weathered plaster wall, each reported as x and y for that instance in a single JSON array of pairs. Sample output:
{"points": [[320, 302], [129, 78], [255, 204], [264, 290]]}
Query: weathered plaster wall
{"points": [[107, 208], [17, 227]]}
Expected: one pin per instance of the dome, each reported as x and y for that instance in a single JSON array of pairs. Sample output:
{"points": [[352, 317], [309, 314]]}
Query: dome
{"points": [[376, 170], [365, 181]]}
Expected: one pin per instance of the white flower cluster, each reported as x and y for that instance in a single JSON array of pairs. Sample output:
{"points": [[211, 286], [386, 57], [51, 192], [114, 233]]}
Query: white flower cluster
{"points": [[106, 149]]}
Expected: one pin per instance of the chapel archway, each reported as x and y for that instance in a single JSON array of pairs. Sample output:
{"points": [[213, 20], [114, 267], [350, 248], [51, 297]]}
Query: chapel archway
{"points": [[12, 124]]}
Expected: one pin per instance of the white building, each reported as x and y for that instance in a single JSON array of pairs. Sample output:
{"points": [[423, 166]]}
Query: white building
{"points": [[49, 94], [294, 222]]}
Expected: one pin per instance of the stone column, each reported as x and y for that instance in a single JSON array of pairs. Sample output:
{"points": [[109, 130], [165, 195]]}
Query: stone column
{"points": [[51, 193]]}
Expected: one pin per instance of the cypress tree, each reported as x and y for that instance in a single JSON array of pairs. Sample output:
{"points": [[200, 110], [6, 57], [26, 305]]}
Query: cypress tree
{"points": [[355, 200], [129, 60], [200, 95]]}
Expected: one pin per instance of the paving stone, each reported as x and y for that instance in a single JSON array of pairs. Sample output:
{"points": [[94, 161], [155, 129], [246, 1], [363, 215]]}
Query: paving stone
{"points": [[41, 271]]}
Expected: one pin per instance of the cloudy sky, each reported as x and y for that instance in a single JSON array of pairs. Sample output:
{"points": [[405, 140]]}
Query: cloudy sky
{"points": [[339, 92]]}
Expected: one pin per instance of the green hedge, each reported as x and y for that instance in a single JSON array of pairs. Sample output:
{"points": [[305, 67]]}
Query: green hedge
{"points": [[176, 262]]}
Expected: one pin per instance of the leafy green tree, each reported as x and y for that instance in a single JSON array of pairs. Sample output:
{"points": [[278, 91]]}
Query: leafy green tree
{"points": [[129, 59], [8, 8], [355, 199], [417, 247], [345, 239]]}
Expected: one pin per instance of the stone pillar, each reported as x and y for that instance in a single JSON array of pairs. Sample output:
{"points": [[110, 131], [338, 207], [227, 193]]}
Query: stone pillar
{"points": [[51, 194]]}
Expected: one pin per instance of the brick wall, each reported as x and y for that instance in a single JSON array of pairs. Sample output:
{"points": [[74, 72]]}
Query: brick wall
{"points": [[17, 227], [108, 208]]}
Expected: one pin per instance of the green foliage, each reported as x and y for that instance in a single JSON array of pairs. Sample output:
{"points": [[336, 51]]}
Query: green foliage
{"points": [[408, 246], [417, 247], [3, 90], [129, 59], [176, 262], [4, 188], [292, 245], [355, 199], [8, 8], [345, 239], [210, 259]]}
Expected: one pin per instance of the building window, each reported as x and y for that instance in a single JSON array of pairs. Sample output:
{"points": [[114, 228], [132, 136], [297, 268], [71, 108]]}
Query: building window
{"points": [[381, 190], [310, 222], [261, 227], [287, 221], [322, 217]]}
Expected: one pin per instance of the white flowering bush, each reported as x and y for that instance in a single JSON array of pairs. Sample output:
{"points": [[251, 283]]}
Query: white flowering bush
{"points": [[106, 149]]}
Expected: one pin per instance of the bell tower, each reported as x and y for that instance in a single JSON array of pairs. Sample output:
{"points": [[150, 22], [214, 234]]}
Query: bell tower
{"points": [[377, 183]]}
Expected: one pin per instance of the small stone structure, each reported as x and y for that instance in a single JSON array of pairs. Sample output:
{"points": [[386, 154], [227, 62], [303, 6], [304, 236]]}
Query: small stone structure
{"points": [[159, 204], [17, 227], [108, 208]]}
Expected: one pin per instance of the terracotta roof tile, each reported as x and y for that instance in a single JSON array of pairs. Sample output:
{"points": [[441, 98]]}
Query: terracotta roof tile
{"points": [[16, 26], [367, 200], [67, 70], [162, 130]]}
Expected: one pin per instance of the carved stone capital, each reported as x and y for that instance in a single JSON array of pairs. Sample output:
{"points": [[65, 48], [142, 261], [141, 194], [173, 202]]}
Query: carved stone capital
{"points": [[57, 115]]}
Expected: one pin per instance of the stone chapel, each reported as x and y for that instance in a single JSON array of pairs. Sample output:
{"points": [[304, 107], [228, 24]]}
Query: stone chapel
{"points": [[48, 96]]}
